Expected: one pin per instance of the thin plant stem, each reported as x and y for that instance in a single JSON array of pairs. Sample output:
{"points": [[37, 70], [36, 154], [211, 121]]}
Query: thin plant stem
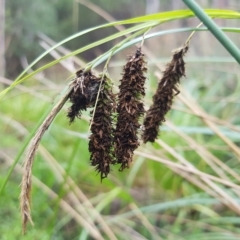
{"points": [[191, 35], [214, 29]]}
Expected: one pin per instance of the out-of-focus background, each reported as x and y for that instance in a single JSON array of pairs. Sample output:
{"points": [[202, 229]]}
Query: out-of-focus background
{"points": [[153, 199]]}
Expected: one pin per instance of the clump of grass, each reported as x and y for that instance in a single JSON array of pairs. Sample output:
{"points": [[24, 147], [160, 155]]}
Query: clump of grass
{"points": [[130, 108], [101, 139], [84, 93], [163, 98]]}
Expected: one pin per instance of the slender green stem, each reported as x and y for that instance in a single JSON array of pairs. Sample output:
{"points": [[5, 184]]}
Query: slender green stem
{"points": [[214, 29], [93, 63]]}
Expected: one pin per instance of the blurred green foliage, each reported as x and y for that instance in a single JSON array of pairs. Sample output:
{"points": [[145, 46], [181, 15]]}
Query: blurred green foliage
{"points": [[56, 19]]}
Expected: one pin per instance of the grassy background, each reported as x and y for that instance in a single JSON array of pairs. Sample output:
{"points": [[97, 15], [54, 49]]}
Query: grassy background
{"points": [[151, 200]]}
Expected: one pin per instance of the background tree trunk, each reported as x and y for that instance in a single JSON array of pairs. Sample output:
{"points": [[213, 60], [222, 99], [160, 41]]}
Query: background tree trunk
{"points": [[2, 38], [152, 6]]}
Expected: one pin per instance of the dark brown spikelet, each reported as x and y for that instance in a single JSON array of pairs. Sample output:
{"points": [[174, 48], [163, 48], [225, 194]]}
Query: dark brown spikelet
{"points": [[130, 108], [101, 139], [163, 98], [83, 95]]}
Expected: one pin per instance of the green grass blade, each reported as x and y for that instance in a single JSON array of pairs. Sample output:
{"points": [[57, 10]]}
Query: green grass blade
{"points": [[178, 14], [105, 56], [161, 17], [89, 46], [214, 29]]}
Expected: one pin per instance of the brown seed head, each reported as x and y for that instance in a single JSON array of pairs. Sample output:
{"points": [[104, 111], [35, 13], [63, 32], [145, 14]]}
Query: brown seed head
{"points": [[83, 95], [130, 108], [163, 98], [101, 139]]}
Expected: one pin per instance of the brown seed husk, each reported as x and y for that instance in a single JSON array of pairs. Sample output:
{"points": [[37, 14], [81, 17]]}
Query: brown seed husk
{"points": [[163, 98], [101, 139], [84, 93], [130, 108]]}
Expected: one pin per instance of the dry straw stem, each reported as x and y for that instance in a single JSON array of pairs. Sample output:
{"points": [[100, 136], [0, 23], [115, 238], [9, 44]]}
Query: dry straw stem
{"points": [[26, 89], [76, 195], [130, 108], [189, 169], [78, 198], [210, 118], [60, 50], [66, 63], [52, 164], [145, 221], [204, 182], [63, 204], [163, 98], [207, 156], [196, 109], [66, 207], [223, 196], [215, 163], [25, 196], [129, 232], [203, 225]]}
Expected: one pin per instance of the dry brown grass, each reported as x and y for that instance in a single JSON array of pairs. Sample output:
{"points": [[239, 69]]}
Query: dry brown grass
{"points": [[25, 196]]}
